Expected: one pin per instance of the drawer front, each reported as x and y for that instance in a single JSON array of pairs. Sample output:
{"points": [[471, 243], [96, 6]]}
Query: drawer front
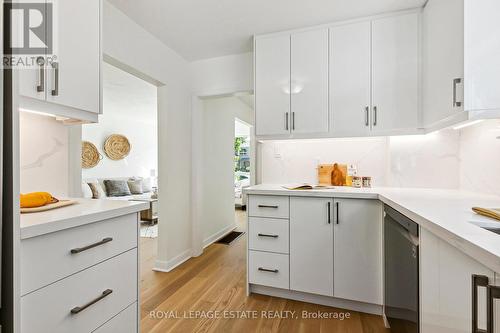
{"points": [[268, 269], [269, 206], [124, 322], [50, 309], [265, 234], [48, 258]]}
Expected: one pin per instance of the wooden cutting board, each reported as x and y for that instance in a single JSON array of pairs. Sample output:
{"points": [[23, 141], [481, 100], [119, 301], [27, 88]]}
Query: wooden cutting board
{"points": [[325, 173], [59, 204]]}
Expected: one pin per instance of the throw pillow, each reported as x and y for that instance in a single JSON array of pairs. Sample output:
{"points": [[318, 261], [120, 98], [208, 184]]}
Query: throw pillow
{"points": [[146, 185], [135, 186], [86, 191], [116, 188], [97, 191]]}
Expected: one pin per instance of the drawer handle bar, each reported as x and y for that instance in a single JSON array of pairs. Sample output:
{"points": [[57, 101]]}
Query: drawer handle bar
{"points": [[268, 270], [79, 309], [267, 206], [270, 236], [88, 247]]}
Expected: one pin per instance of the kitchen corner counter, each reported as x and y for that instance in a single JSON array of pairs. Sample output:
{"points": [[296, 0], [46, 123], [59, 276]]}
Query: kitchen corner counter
{"points": [[445, 213], [85, 211]]}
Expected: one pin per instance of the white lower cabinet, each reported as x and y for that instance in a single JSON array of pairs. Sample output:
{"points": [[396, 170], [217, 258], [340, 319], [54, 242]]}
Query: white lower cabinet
{"points": [[448, 293], [311, 245], [358, 250], [124, 322], [268, 269]]}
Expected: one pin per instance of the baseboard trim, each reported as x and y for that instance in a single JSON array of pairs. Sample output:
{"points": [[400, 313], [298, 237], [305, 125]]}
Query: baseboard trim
{"points": [[218, 235], [318, 299], [169, 265]]}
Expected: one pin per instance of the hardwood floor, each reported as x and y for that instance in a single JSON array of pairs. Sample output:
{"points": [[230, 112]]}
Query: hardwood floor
{"points": [[186, 299]]}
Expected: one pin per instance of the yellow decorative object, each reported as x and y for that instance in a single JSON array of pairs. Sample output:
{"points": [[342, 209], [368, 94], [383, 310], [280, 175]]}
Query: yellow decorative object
{"points": [[117, 147], [90, 155], [36, 199]]}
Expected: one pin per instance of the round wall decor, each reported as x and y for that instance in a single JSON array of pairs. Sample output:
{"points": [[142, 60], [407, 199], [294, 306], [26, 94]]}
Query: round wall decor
{"points": [[117, 147], [90, 155]]}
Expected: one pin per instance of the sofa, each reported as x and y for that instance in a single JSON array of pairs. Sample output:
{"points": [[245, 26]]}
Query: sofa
{"points": [[100, 181]]}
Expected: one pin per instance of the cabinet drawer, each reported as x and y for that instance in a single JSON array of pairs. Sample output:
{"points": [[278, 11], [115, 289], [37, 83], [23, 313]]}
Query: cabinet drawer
{"points": [[50, 309], [48, 258], [268, 269], [267, 234], [269, 206], [124, 322]]}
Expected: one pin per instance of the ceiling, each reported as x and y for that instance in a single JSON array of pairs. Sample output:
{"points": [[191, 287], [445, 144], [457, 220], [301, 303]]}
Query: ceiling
{"points": [[200, 29]]}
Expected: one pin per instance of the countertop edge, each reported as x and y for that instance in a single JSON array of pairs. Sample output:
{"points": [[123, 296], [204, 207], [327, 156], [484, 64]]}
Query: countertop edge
{"points": [[76, 221]]}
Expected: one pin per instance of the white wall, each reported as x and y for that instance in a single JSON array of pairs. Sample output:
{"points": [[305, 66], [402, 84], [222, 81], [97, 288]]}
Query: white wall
{"points": [[223, 74], [480, 157], [218, 164], [43, 155], [129, 108], [406, 161], [127, 42]]}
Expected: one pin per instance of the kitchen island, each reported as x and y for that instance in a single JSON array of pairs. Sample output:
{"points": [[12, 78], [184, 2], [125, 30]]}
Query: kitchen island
{"points": [[82, 260]]}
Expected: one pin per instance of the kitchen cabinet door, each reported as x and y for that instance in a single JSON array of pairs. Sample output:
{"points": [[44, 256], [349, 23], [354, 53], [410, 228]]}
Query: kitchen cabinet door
{"points": [[443, 59], [350, 79], [358, 250], [446, 287], [395, 73], [73, 80], [311, 245], [272, 85], [309, 81]]}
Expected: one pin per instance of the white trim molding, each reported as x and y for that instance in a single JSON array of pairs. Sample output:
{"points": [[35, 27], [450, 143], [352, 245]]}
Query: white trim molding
{"points": [[218, 235], [167, 266]]}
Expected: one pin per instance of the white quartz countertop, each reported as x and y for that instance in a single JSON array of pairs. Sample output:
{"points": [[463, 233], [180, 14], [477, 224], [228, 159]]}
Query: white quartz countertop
{"points": [[83, 212], [446, 213]]}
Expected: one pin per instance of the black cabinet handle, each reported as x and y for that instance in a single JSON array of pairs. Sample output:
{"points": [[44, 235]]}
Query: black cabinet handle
{"points": [[85, 248], [270, 236], [477, 281], [492, 293], [268, 270], [329, 213], [267, 206], [79, 309], [337, 208]]}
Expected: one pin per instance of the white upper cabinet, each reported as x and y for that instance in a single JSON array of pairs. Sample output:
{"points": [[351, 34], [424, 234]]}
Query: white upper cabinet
{"points": [[311, 245], [73, 79], [272, 85], [309, 82], [443, 59], [395, 74], [358, 239], [68, 82], [350, 73]]}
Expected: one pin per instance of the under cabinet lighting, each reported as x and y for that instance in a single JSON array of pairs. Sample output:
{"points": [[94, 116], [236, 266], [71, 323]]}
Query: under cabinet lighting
{"points": [[467, 124], [37, 112]]}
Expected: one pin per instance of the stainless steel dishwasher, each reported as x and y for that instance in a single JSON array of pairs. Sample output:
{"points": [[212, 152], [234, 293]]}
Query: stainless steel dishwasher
{"points": [[401, 292]]}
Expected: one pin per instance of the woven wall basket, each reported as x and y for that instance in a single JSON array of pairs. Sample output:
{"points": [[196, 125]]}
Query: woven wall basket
{"points": [[117, 147], [90, 155]]}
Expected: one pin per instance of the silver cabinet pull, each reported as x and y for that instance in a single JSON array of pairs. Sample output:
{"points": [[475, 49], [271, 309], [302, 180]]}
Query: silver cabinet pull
{"points": [[79, 309], [41, 85], [456, 104], [267, 206], [477, 281], [88, 247], [266, 235], [55, 91], [375, 116], [367, 116], [293, 121], [493, 293], [286, 121], [268, 270]]}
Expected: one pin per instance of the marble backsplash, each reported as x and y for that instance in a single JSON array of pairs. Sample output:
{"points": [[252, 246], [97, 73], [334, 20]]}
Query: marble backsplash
{"points": [[467, 159]]}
